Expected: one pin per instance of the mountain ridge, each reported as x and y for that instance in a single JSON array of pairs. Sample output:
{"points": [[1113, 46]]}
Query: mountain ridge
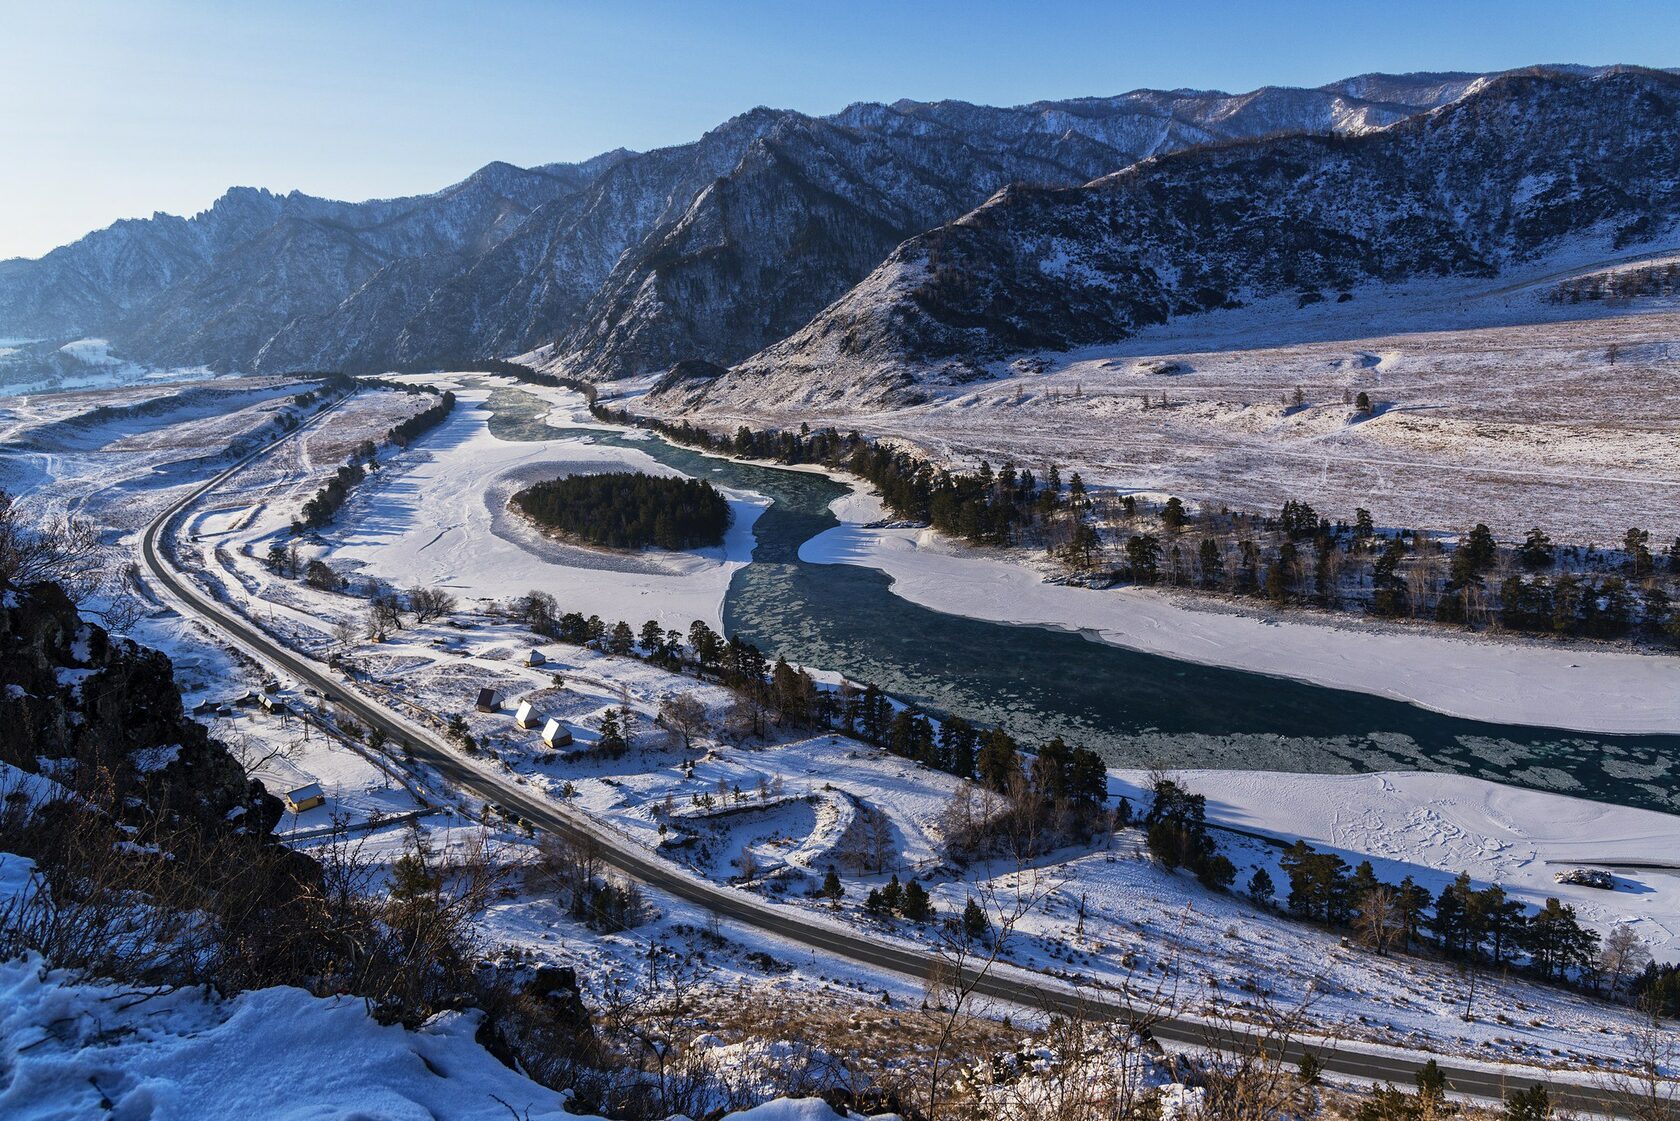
{"points": [[1463, 190], [626, 263]]}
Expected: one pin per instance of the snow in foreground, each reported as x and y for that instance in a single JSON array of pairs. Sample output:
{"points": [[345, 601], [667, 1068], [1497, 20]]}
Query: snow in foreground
{"points": [[72, 1050]]}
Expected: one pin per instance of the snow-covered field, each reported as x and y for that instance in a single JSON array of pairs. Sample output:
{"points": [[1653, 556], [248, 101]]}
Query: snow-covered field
{"points": [[1491, 405], [1506, 682], [439, 517], [116, 456]]}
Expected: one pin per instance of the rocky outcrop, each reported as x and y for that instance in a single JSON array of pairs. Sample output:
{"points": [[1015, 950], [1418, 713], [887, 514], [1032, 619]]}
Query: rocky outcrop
{"points": [[94, 712]]}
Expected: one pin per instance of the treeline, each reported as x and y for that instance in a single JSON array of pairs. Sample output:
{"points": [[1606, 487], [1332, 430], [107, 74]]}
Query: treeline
{"points": [[629, 509], [320, 508], [1465, 924], [526, 374], [1295, 557], [1622, 284], [406, 432]]}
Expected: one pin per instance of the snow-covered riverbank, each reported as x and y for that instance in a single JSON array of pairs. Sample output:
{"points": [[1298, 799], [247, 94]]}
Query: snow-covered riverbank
{"points": [[1527, 683], [438, 517]]}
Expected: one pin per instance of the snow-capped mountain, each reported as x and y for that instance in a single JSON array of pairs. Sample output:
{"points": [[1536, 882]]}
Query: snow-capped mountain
{"points": [[628, 262], [1508, 169]]}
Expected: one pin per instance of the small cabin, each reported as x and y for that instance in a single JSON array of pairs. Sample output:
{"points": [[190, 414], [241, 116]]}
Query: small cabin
{"points": [[527, 716], [556, 734], [535, 658], [489, 700], [305, 797], [272, 704]]}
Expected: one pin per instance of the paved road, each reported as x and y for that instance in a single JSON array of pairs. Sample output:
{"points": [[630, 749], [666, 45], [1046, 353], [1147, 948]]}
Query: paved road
{"points": [[1342, 1059]]}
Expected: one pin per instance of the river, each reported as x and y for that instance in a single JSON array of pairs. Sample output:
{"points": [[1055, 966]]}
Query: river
{"points": [[1137, 710]]}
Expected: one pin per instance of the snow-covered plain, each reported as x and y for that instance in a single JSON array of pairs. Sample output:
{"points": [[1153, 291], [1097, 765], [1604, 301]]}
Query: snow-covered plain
{"points": [[1506, 682], [1492, 405]]}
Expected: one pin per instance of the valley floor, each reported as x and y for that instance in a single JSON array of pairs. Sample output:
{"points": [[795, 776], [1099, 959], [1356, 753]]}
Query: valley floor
{"points": [[1489, 404], [802, 799]]}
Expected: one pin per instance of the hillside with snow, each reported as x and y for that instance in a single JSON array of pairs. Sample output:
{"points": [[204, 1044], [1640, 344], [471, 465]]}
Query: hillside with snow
{"points": [[1496, 180], [628, 262]]}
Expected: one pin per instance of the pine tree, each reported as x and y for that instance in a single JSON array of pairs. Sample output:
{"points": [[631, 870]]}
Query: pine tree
{"points": [[1636, 543], [1143, 554], [892, 896], [1451, 923], [1533, 1104], [1431, 1084], [612, 741], [831, 887], [1536, 551], [1173, 515], [975, 926], [653, 639], [999, 760], [915, 905], [1261, 889], [1211, 563], [1556, 942], [622, 640]]}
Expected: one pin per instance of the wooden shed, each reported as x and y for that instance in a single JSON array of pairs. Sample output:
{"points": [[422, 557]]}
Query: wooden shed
{"points": [[535, 658], [305, 797], [489, 700], [556, 734], [527, 716]]}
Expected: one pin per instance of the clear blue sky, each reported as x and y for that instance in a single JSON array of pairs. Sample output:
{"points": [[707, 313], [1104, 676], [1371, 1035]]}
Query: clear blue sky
{"points": [[117, 108]]}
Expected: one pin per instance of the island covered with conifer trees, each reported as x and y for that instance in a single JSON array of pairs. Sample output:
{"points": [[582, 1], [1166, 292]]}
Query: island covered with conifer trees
{"points": [[628, 510]]}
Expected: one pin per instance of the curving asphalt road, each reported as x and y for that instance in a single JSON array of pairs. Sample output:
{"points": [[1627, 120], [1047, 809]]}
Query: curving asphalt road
{"points": [[1362, 1063]]}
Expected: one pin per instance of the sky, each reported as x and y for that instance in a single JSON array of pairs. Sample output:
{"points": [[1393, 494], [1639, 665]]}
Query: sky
{"points": [[118, 108]]}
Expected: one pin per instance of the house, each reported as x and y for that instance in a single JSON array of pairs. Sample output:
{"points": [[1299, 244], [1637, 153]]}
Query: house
{"points": [[527, 716], [489, 700], [305, 797], [556, 734], [535, 658], [272, 704]]}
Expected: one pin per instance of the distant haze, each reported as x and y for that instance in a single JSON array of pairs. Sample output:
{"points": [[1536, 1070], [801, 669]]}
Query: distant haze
{"points": [[113, 109]]}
